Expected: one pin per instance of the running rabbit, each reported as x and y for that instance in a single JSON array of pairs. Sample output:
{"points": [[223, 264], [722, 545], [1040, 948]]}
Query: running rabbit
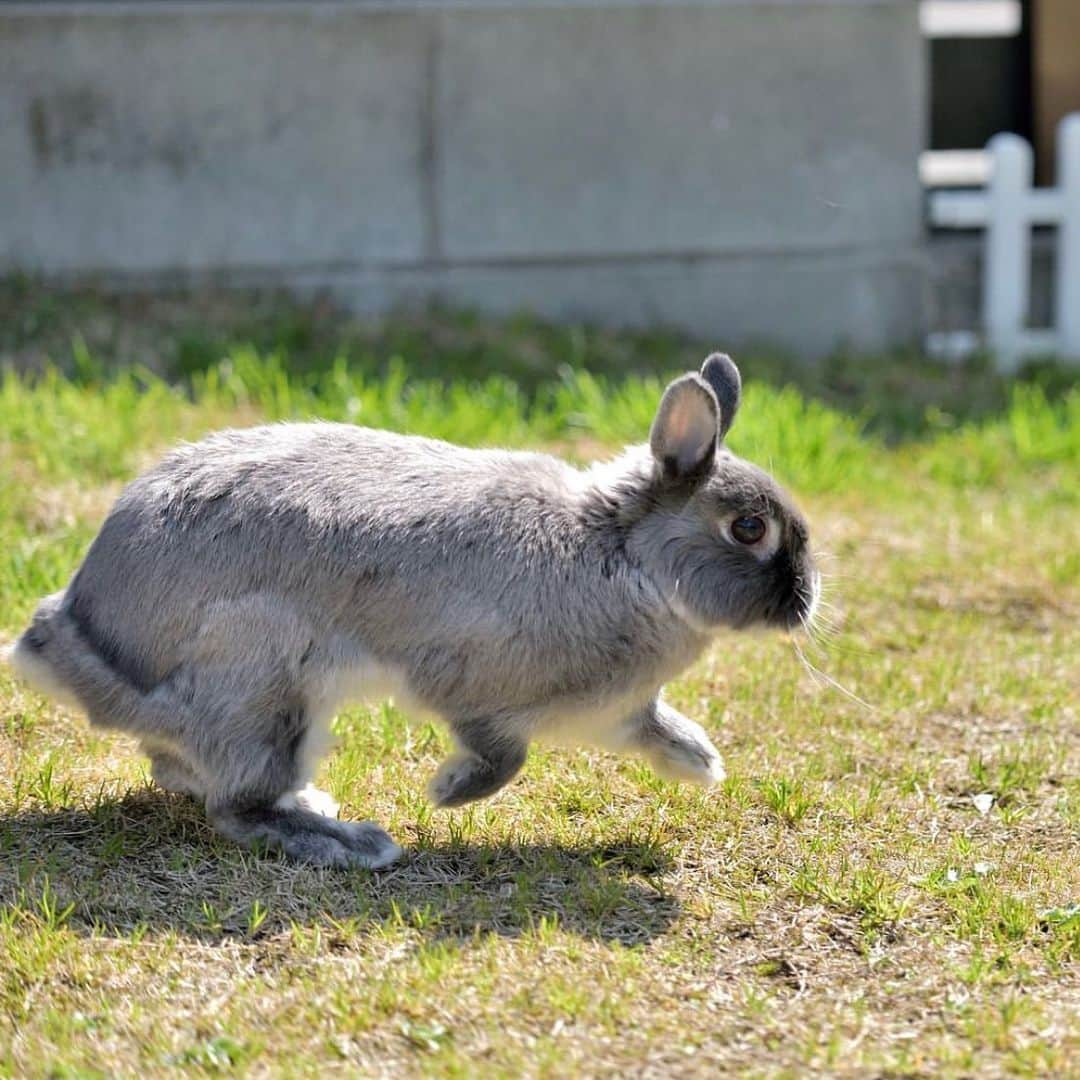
{"points": [[249, 586]]}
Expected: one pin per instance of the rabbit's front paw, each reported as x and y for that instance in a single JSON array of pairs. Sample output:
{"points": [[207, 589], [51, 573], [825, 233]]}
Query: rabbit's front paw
{"points": [[700, 764], [468, 776], [676, 747]]}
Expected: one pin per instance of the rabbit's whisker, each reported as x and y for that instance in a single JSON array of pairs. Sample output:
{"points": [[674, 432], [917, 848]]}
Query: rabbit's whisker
{"points": [[816, 674]]}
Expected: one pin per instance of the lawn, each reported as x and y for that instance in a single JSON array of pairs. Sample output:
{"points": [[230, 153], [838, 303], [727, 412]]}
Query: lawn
{"points": [[887, 884]]}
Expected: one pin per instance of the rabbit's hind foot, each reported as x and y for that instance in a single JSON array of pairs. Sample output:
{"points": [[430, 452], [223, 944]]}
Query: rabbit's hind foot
{"points": [[309, 837]]}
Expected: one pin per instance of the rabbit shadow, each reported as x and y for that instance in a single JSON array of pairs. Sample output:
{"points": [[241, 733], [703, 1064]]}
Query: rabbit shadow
{"points": [[147, 863]]}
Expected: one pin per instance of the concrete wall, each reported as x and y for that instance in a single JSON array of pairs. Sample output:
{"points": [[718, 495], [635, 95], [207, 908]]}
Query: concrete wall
{"points": [[745, 170]]}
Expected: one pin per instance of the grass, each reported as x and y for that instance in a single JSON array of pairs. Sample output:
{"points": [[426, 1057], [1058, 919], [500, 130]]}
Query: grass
{"points": [[888, 890]]}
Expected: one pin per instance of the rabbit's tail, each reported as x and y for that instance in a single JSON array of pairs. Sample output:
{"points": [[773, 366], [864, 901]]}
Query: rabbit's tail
{"points": [[54, 657]]}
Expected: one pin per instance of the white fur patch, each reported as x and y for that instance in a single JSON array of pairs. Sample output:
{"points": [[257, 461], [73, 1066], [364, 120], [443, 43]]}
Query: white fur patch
{"points": [[309, 798]]}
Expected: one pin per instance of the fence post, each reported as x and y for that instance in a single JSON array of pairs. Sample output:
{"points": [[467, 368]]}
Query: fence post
{"points": [[1068, 238], [1007, 254]]}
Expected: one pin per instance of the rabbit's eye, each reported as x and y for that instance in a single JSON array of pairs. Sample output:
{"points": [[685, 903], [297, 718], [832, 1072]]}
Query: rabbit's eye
{"points": [[748, 530]]}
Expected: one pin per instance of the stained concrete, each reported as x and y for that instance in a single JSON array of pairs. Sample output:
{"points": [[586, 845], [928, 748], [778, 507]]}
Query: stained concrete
{"points": [[744, 170], [205, 142]]}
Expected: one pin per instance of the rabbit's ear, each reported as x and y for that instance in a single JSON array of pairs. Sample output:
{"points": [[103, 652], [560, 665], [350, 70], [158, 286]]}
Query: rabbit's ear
{"points": [[684, 434], [720, 372]]}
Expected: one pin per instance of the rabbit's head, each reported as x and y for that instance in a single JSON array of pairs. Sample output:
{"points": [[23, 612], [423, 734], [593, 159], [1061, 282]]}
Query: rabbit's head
{"points": [[720, 536]]}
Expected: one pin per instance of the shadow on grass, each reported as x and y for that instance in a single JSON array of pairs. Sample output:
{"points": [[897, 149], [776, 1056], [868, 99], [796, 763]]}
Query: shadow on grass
{"points": [[148, 863]]}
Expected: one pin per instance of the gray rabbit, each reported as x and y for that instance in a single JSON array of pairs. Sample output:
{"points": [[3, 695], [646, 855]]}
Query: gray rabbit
{"points": [[249, 586]]}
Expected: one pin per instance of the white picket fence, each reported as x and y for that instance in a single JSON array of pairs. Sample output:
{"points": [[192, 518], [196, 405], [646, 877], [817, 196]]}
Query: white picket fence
{"points": [[1008, 209]]}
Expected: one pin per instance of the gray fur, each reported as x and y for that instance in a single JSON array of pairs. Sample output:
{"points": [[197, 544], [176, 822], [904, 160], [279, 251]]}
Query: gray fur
{"points": [[247, 587]]}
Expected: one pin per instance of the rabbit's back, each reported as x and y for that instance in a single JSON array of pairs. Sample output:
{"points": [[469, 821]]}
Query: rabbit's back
{"points": [[424, 554]]}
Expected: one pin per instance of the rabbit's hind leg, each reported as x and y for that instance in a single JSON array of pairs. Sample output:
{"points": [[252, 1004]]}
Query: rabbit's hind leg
{"points": [[307, 837], [676, 747], [255, 800], [171, 773], [256, 739]]}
